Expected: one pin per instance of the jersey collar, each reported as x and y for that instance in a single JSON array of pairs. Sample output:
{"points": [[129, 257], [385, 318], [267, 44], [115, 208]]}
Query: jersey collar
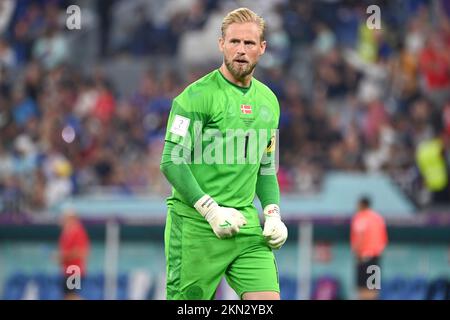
{"points": [[244, 90]]}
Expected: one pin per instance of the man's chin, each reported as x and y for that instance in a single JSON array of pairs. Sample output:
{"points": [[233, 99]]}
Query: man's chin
{"points": [[241, 72]]}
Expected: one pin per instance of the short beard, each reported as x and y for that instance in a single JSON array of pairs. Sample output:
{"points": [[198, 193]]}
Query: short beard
{"points": [[239, 74]]}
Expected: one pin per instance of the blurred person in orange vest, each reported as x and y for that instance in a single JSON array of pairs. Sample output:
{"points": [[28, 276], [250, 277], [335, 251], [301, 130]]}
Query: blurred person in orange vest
{"points": [[74, 246], [368, 237]]}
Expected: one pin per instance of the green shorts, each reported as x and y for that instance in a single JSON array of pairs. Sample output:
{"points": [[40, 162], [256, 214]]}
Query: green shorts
{"points": [[197, 260]]}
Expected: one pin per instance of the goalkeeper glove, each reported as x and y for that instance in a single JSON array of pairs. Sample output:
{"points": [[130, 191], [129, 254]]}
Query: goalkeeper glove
{"points": [[225, 222], [275, 230]]}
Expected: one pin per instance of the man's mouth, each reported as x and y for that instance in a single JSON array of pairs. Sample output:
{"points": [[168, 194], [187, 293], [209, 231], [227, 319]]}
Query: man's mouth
{"points": [[241, 61]]}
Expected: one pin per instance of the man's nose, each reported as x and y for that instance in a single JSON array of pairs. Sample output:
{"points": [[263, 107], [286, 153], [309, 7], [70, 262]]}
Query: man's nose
{"points": [[241, 48]]}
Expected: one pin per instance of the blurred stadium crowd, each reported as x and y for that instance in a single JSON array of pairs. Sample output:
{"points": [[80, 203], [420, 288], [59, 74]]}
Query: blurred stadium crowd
{"points": [[351, 98]]}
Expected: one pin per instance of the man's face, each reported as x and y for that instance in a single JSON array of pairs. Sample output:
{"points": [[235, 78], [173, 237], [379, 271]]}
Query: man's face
{"points": [[242, 48]]}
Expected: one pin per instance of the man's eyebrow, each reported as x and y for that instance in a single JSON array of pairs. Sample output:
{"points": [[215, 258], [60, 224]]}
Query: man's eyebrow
{"points": [[245, 41]]}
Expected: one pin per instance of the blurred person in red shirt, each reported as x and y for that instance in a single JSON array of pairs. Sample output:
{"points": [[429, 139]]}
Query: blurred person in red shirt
{"points": [[435, 69], [105, 104], [74, 246], [368, 237]]}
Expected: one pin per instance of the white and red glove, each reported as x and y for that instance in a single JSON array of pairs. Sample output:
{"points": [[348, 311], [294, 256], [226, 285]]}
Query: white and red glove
{"points": [[275, 230]]}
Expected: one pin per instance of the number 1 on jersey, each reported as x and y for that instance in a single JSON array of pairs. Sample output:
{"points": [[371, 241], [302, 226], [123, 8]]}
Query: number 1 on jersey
{"points": [[246, 145]]}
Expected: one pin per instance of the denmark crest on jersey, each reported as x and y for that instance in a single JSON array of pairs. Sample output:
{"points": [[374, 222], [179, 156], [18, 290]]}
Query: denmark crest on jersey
{"points": [[246, 109]]}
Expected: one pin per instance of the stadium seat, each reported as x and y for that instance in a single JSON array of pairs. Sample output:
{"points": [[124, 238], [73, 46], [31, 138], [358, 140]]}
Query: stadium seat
{"points": [[417, 289], [15, 286], [393, 289], [92, 287], [288, 287], [49, 286], [439, 290], [326, 288], [122, 287]]}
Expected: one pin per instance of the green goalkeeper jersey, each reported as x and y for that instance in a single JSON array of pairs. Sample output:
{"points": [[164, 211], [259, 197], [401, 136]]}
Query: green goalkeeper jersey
{"points": [[227, 135]]}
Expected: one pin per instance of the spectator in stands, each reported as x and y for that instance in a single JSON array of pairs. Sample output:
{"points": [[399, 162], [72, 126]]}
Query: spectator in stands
{"points": [[368, 237], [432, 161], [74, 246], [51, 49], [435, 69], [6, 11], [7, 57]]}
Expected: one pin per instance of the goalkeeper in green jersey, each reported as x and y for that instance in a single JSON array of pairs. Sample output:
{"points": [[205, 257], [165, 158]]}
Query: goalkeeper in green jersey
{"points": [[219, 152]]}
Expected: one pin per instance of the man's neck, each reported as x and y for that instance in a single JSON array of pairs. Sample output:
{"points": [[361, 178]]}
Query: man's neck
{"points": [[244, 82]]}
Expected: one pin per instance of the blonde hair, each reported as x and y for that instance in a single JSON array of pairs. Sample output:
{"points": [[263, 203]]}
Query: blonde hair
{"points": [[242, 15]]}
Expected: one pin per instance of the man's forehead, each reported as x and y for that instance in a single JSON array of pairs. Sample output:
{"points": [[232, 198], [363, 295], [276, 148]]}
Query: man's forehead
{"points": [[244, 30]]}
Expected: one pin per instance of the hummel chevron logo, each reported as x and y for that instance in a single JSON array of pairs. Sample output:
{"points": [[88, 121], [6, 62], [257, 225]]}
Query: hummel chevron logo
{"points": [[225, 225]]}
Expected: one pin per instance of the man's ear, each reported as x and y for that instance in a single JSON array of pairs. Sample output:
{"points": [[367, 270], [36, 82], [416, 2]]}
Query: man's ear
{"points": [[221, 44], [263, 46]]}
